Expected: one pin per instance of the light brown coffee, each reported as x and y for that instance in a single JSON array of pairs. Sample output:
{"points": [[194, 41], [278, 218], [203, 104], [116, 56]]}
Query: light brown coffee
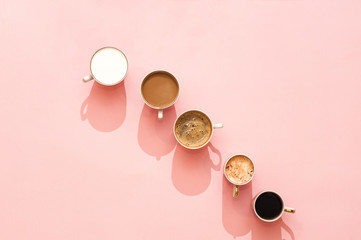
{"points": [[160, 89], [239, 169], [193, 129]]}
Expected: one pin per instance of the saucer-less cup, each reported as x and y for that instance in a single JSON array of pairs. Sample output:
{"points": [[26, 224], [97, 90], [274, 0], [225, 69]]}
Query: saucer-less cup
{"points": [[277, 208], [108, 66], [236, 185], [160, 90], [213, 126]]}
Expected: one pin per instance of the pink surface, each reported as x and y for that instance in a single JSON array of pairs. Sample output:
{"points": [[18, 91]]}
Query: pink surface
{"points": [[82, 161]]}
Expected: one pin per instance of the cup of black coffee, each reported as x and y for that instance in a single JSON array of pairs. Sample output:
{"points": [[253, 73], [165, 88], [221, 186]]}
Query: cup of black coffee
{"points": [[269, 207]]}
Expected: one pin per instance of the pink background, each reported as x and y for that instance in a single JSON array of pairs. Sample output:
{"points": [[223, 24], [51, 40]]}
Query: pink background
{"points": [[82, 161]]}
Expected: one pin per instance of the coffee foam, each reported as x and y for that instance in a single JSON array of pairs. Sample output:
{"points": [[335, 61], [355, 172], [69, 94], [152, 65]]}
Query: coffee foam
{"points": [[239, 169], [109, 66], [193, 129]]}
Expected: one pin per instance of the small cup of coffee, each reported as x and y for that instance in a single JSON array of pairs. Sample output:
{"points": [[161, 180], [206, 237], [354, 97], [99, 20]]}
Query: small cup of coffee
{"points": [[160, 90], [193, 129], [239, 170], [108, 66], [269, 207]]}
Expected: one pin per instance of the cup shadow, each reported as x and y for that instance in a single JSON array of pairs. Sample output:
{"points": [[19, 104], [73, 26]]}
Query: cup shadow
{"points": [[237, 212], [155, 136], [105, 107], [239, 219], [191, 168], [271, 231]]}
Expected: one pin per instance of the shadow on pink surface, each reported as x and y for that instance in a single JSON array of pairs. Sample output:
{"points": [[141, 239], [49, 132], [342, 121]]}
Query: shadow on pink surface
{"points": [[191, 169], [271, 231], [105, 107], [155, 136], [239, 219]]}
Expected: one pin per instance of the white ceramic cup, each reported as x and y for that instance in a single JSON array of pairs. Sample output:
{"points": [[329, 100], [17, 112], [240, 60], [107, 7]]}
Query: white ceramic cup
{"points": [[235, 184], [160, 109], [214, 126], [284, 209], [108, 66]]}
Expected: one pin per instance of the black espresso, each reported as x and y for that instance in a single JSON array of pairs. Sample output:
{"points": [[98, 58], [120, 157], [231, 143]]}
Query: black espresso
{"points": [[269, 205]]}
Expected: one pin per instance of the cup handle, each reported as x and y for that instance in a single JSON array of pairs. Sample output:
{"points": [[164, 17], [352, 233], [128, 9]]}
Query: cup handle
{"points": [[290, 210], [160, 113], [235, 191], [88, 78], [217, 125]]}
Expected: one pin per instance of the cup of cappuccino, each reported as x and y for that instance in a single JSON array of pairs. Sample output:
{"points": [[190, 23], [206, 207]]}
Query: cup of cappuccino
{"points": [[159, 90], [239, 170], [108, 66], [193, 129], [269, 207]]}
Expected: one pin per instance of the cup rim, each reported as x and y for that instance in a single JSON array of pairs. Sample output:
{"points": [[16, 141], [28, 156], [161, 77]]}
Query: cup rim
{"points": [[209, 139], [269, 220], [91, 72], [155, 72], [224, 169]]}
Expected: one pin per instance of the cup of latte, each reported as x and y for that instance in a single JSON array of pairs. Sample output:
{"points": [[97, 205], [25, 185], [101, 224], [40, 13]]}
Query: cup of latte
{"points": [[269, 207], [159, 90], [239, 170], [108, 66], [193, 129]]}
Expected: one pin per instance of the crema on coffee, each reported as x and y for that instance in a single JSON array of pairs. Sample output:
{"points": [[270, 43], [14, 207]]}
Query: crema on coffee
{"points": [[193, 129]]}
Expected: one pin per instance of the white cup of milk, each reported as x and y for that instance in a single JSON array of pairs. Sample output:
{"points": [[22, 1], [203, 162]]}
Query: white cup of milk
{"points": [[108, 66]]}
